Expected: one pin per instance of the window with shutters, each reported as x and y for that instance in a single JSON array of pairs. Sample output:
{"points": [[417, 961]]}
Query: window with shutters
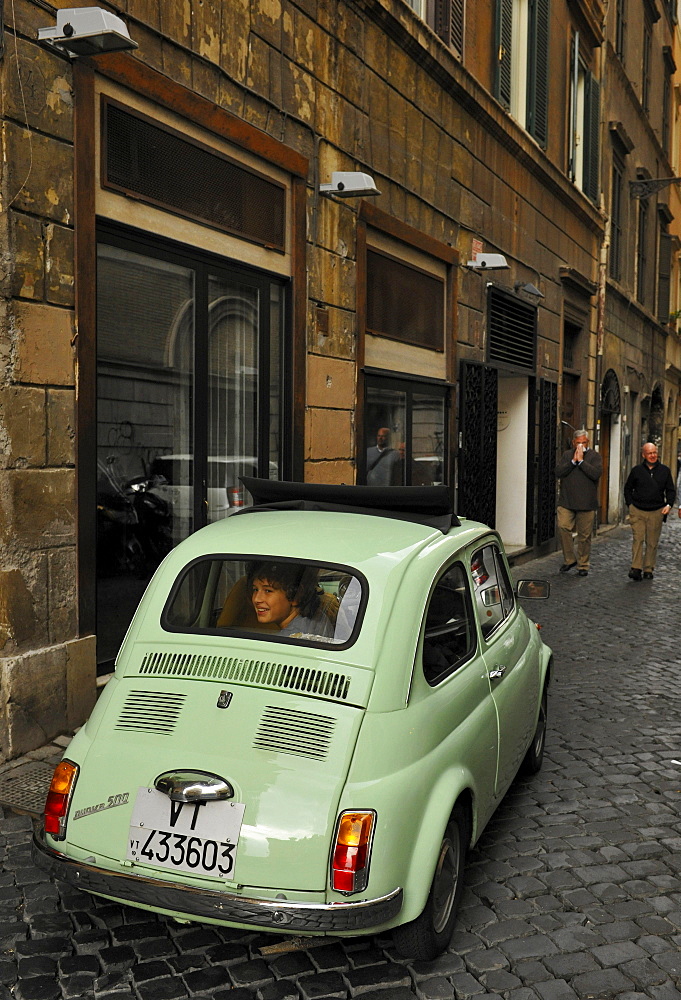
{"points": [[522, 52], [664, 273], [584, 125], [446, 18], [641, 250], [621, 28], [669, 69], [615, 262], [645, 65]]}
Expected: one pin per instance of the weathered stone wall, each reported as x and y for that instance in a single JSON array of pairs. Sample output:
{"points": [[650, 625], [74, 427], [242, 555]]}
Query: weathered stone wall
{"points": [[46, 672]]}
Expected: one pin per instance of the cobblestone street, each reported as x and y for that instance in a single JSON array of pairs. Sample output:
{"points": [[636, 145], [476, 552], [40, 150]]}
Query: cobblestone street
{"points": [[574, 889]]}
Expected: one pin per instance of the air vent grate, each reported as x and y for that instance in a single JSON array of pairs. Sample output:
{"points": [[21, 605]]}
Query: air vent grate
{"points": [[150, 712], [512, 330], [255, 673], [286, 730], [156, 164]]}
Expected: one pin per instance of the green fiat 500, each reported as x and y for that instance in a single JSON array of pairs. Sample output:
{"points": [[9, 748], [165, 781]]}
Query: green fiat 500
{"points": [[319, 704]]}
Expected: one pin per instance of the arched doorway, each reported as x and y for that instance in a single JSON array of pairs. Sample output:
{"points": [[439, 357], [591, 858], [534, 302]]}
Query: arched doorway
{"points": [[610, 431]]}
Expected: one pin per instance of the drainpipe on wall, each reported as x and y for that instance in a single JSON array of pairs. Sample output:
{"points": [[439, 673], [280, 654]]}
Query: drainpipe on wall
{"points": [[600, 325]]}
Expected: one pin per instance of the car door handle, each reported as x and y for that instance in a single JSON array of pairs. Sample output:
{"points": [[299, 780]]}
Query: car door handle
{"points": [[497, 671]]}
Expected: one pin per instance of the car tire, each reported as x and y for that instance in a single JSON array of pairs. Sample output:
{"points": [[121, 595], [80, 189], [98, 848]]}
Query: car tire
{"points": [[534, 758], [427, 937]]}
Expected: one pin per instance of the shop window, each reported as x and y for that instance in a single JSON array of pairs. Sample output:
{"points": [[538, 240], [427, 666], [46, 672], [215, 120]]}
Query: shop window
{"points": [[189, 398], [405, 434]]}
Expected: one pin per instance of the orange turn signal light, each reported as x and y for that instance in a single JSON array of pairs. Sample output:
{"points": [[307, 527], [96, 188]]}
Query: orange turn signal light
{"points": [[350, 859], [59, 798]]}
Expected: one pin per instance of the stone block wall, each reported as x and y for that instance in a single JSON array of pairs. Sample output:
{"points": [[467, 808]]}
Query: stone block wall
{"points": [[47, 674]]}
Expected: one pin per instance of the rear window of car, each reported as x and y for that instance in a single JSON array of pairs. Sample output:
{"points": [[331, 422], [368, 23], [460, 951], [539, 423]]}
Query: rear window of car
{"points": [[268, 598]]}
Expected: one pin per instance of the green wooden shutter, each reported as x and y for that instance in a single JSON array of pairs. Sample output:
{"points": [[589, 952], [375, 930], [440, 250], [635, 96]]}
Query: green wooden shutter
{"points": [[592, 124], [664, 273], [503, 41], [538, 71], [448, 23]]}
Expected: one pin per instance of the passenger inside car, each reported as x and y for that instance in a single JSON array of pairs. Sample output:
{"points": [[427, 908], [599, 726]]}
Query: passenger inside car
{"points": [[282, 598]]}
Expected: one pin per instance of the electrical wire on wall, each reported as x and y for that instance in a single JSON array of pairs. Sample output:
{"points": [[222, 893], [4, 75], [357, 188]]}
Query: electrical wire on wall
{"points": [[23, 103]]}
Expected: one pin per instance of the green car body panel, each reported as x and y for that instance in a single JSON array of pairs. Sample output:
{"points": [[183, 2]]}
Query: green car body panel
{"points": [[374, 733]]}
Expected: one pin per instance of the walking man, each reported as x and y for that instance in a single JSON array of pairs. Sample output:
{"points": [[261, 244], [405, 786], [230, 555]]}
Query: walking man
{"points": [[649, 493], [579, 470]]}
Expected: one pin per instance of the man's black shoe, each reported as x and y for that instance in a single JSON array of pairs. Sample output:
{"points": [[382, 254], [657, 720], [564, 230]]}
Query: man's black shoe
{"points": [[647, 576], [635, 574], [566, 567], [583, 572]]}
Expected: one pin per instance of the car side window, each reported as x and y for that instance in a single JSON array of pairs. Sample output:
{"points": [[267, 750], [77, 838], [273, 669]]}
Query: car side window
{"points": [[449, 637], [494, 600]]}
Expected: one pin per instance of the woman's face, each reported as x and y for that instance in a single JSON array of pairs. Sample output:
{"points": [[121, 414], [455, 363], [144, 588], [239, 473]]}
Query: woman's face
{"points": [[271, 603]]}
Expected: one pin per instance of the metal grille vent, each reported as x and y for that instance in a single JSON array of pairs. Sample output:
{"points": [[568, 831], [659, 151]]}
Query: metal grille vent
{"points": [[158, 165], [286, 730], [256, 673], [151, 712], [512, 326]]}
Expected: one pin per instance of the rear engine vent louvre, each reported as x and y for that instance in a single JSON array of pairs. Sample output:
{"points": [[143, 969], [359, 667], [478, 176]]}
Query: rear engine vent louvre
{"points": [[286, 730], [151, 712], [256, 673]]}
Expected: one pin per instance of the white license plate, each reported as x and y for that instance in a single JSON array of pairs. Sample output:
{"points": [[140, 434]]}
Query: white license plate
{"points": [[184, 836]]}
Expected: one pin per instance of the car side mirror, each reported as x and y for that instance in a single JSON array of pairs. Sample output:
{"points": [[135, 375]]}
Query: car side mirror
{"points": [[535, 589]]}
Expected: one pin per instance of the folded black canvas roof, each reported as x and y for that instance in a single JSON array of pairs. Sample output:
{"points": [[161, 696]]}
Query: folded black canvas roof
{"points": [[427, 505]]}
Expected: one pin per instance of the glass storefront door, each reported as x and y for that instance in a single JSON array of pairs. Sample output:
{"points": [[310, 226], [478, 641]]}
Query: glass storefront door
{"points": [[189, 398]]}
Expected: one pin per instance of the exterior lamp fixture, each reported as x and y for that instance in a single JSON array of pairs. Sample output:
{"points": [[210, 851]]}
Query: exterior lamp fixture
{"points": [[349, 184], [529, 288], [87, 31], [488, 262]]}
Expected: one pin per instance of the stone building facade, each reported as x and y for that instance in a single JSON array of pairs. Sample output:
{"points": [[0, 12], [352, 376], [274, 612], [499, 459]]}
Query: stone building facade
{"points": [[183, 304]]}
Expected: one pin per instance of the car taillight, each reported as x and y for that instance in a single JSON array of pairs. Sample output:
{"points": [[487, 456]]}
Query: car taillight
{"points": [[58, 798], [350, 860]]}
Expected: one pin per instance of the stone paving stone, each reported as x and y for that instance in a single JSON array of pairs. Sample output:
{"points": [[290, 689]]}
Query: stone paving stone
{"points": [[466, 986], [604, 984], [364, 979], [73, 965], [500, 981], [616, 954], [443, 965], [143, 972], [489, 960], [117, 958], [363, 956], [209, 978], [296, 963], [37, 988], [324, 984], [282, 989], [254, 974], [644, 973], [537, 946], [398, 993], [670, 961], [162, 989], [36, 965], [227, 953], [555, 989], [78, 985], [436, 988], [329, 958]]}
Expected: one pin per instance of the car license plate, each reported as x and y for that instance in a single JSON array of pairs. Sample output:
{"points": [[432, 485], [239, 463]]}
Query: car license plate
{"points": [[199, 837]]}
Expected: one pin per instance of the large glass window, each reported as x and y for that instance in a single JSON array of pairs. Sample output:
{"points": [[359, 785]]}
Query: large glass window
{"points": [[189, 398], [405, 432], [268, 598]]}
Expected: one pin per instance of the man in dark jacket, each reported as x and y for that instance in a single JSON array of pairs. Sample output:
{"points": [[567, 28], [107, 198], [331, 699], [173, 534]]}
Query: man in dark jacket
{"points": [[579, 470], [649, 493]]}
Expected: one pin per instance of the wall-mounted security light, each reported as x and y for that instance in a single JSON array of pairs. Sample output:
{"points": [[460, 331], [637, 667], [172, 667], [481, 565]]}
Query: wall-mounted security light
{"points": [[488, 262], [528, 288], [87, 31], [349, 184]]}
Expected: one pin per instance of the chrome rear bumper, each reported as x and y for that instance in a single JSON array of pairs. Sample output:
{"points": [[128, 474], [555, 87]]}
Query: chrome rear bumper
{"points": [[200, 904]]}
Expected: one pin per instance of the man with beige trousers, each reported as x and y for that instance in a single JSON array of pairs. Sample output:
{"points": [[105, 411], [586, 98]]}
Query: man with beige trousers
{"points": [[579, 470]]}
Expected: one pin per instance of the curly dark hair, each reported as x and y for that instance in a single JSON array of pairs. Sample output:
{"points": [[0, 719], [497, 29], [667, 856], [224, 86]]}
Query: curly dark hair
{"points": [[299, 583]]}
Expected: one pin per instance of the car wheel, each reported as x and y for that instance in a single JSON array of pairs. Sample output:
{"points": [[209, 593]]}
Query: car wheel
{"points": [[426, 937], [534, 757]]}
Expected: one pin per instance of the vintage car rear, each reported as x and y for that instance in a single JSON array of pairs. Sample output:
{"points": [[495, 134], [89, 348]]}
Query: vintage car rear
{"points": [[231, 773]]}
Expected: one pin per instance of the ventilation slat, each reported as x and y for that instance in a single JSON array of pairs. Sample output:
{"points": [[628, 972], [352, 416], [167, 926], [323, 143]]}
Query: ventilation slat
{"points": [[255, 673], [150, 712], [285, 730]]}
